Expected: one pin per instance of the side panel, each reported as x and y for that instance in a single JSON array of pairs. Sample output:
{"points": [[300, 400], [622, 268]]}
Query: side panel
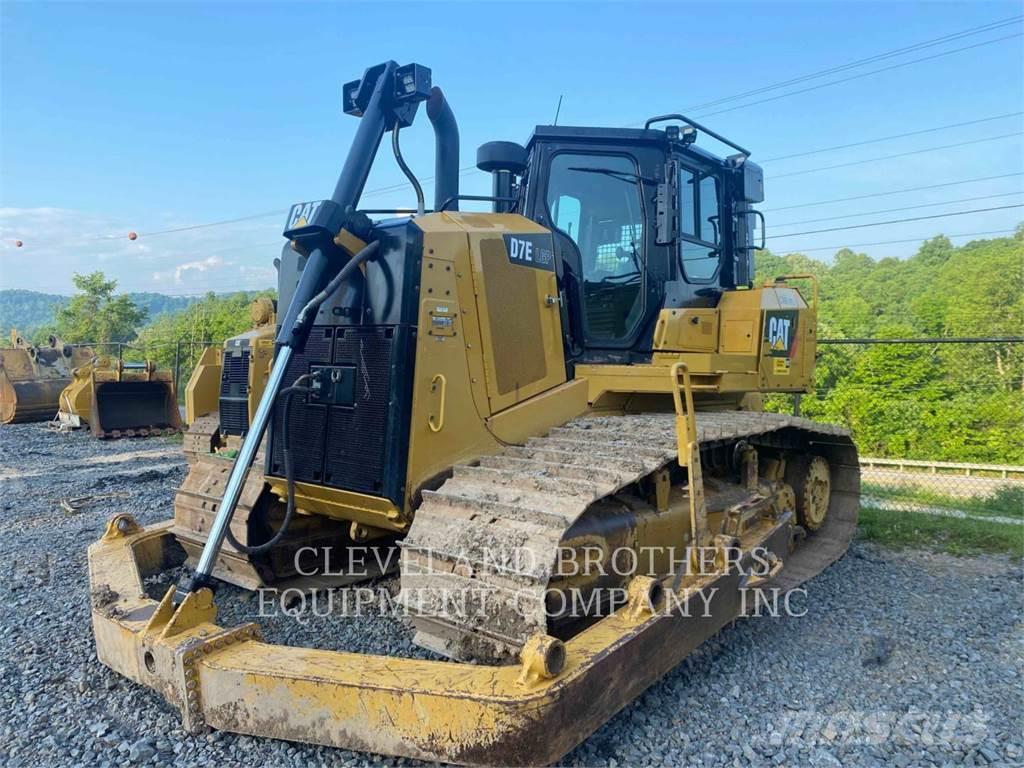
{"points": [[449, 402], [488, 342], [203, 389], [787, 341], [518, 310]]}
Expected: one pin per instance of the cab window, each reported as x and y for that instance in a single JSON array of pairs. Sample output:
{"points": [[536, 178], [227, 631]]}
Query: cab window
{"points": [[699, 226], [596, 201]]}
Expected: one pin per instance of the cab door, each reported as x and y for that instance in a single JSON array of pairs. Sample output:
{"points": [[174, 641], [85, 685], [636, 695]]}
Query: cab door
{"points": [[595, 200]]}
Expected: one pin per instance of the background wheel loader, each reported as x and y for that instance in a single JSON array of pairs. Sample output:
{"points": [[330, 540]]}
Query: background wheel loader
{"points": [[120, 399], [520, 396], [32, 377]]}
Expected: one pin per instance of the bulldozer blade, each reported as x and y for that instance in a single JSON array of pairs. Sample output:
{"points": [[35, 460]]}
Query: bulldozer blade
{"points": [[472, 714], [134, 409]]}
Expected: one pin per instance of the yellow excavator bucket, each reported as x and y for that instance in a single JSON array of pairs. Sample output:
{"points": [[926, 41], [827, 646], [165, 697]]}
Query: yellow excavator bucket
{"points": [[33, 377], [133, 400], [119, 399]]}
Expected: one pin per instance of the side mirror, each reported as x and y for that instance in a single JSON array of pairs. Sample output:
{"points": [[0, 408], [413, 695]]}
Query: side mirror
{"points": [[666, 211]]}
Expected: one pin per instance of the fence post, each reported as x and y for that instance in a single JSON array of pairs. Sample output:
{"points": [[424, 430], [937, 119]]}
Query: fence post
{"points": [[177, 366]]}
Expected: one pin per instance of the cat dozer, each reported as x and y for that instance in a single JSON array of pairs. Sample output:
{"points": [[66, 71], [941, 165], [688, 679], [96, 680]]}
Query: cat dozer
{"points": [[555, 405], [32, 377], [120, 399]]}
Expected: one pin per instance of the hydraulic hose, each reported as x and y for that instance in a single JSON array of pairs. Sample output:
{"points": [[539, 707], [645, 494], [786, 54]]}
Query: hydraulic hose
{"points": [[308, 313], [287, 396], [406, 169]]}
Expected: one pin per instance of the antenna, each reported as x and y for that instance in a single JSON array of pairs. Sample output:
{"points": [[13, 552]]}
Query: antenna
{"points": [[558, 109]]}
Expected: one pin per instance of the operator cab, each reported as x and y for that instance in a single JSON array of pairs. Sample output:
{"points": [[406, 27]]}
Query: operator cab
{"points": [[643, 220]]}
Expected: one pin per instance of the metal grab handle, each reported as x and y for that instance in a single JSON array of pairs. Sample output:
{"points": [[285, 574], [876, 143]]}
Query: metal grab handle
{"points": [[438, 424]]}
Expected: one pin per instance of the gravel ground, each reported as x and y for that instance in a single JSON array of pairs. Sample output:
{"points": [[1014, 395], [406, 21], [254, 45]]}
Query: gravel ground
{"points": [[902, 658]]}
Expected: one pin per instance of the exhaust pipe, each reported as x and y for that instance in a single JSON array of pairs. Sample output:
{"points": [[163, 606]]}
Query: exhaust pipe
{"points": [[446, 150]]}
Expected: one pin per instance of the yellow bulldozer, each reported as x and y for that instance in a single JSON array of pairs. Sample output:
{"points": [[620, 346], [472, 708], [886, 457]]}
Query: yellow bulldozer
{"points": [[553, 406], [32, 377], [120, 399]]}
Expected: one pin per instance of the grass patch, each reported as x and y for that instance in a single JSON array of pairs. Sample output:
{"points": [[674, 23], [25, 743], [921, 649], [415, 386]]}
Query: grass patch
{"points": [[941, 534]]}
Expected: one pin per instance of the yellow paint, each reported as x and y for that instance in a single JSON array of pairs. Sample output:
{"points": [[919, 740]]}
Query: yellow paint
{"points": [[340, 504], [539, 414], [228, 679], [202, 393], [687, 330]]}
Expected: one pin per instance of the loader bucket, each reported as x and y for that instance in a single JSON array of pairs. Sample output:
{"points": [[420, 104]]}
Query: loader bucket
{"points": [[32, 378], [133, 408], [28, 400]]}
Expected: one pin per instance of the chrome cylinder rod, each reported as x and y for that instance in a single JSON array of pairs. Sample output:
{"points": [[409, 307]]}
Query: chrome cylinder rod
{"points": [[240, 469]]}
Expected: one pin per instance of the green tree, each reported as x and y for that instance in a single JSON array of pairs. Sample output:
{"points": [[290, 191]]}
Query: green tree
{"points": [[95, 314], [179, 338]]}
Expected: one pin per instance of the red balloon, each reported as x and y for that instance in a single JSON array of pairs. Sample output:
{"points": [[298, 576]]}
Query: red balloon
{"points": [[133, 236]]}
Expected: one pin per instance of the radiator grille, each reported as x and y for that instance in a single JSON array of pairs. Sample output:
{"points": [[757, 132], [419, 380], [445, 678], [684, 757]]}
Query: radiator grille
{"points": [[342, 446], [356, 435], [234, 394]]}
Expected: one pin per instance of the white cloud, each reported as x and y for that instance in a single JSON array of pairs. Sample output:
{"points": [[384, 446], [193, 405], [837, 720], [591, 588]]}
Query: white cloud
{"points": [[205, 265], [60, 242]]}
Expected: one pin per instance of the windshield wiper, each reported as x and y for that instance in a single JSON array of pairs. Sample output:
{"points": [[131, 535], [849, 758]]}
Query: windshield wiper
{"points": [[620, 175]]}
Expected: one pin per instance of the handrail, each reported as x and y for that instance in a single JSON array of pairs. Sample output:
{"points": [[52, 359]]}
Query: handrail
{"points": [[1003, 470]]}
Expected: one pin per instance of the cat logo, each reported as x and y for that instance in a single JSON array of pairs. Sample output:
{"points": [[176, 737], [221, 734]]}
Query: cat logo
{"points": [[301, 214], [780, 332], [531, 251]]}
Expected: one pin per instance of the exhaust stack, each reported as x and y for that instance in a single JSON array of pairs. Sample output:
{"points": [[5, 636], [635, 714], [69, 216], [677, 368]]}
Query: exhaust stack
{"points": [[446, 150]]}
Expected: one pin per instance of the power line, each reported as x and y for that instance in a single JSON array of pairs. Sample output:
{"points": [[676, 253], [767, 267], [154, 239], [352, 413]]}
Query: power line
{"points": [[903, 208], [894, 136], [901, 154], [893, 192], [861, 62], [907, 240], [860, 75], [213, 223], [888, 54], [896, 221]]}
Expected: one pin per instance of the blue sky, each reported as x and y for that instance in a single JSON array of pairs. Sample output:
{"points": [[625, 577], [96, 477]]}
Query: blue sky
{"points": [[149, 116]]}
